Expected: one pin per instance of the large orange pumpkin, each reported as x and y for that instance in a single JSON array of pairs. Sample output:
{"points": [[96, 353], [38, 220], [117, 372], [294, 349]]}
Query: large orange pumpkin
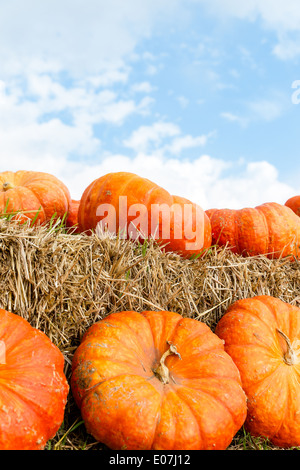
{"points": [[156, 380], [33, 387], [294, 204], [262, 335], [34, 195], [270, 229], [138, 208]]}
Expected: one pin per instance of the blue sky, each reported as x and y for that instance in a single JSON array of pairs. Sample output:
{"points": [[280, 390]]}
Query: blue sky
{"points": [[195, 95]]}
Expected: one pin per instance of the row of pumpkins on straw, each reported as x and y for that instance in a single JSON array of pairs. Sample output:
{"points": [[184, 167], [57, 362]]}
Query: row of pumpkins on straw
{"points": [[269, 229], [156, 380]]}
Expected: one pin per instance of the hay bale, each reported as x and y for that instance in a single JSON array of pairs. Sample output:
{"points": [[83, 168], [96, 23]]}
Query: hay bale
{"points": [[62, 283]]}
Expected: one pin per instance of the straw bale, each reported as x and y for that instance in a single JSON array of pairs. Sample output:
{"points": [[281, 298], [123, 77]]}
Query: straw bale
{"points": [[62, 282]]}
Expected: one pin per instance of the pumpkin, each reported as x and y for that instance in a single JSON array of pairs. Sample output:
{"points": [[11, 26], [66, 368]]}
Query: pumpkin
{"points": [[156, 380], [33, 387], [137, 208], [270, 229], [34, 195], [72, 217], [294, 204], [262, 335]]}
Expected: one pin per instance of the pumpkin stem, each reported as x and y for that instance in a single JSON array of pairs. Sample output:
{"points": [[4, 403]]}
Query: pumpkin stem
{"points": [[7, 185], [162, 372], [289, 355]]}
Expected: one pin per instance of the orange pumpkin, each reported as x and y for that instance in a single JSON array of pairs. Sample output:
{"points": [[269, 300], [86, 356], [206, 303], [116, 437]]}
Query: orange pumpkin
{"points": [[270, 229], [156, 380], [262, 335], [34, 195], [294, 204], [33, 387], [72, 217], [138, 208]]}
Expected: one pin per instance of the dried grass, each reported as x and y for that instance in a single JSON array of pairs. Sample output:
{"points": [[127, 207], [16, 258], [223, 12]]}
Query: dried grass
{"points": [[62, 283]]}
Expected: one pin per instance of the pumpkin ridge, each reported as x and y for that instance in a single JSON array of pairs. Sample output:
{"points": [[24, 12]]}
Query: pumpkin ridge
{"points": [[266, 225], [253, 314], [236, 231], [269, 379], [40, 411], [277, 433], [272, 309], [184, 399], [26, 335], [22, 197], [211, 397], [137, 341], [176, 389]]}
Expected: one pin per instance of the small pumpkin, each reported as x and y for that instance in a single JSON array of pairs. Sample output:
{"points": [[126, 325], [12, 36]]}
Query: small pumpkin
{"points": [[33, 387], [156, 380], [262, 335], [270, 229], [33, 195], [72, 217], [128, 204], [294, 204]]}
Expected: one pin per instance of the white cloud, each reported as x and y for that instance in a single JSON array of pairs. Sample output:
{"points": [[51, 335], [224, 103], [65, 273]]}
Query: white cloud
{"points": [[183, 101], [185, 142], [154, 134], [265, 109], [288, 47], [85, 37], [282, 17], [210, 182], [143, 87], [165, 138], [234, 118]]}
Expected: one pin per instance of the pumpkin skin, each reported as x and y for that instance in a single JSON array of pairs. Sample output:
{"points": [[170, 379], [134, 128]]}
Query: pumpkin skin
{"points": [[294, 204], [253, 330], [40, 194], [33, 387], [72, 217], [194, 401], [270, 229], [109, 188]]}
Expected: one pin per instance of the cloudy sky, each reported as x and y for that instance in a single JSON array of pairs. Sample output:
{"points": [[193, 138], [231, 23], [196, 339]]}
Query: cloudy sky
{"points": [[202, 97]]}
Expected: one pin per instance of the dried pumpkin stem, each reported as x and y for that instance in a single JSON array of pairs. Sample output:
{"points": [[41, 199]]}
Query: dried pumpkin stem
{"points": [[7, 185], [162, 372], [289, 356]]}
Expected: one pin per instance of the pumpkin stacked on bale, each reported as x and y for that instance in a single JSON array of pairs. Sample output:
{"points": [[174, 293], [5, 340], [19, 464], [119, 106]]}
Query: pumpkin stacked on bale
{"points": [[262, 336], [270, 229], [33, 387], [294, 204], [33, 195], [156, 380], [137, 208]]}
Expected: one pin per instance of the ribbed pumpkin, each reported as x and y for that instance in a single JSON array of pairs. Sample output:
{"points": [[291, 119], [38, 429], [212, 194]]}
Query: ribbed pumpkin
{"points": [[33, 387], [262, 335], [294, 204], [270, 229], [131, 202], [34, 195], [156, 380], [72, 217]]}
